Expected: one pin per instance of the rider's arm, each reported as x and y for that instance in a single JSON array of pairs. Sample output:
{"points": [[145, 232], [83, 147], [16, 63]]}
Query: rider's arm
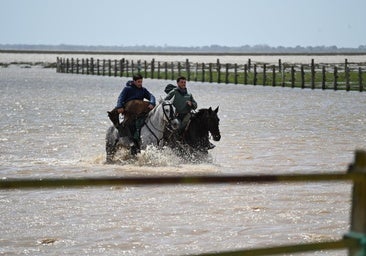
{"points": [[122, 99], [149, 96], [194, 103]]}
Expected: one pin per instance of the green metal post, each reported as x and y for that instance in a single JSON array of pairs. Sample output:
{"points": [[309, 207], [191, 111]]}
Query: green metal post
{"points": [[358, 213]]}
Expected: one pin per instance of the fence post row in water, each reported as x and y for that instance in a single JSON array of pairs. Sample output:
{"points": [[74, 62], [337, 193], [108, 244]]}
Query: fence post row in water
{"points": [[354, 240], [343, 76]]}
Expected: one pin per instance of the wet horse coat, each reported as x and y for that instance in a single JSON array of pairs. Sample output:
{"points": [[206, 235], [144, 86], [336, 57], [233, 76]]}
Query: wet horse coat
{"points": [[133, 110], [151, 131], [194, 140]]}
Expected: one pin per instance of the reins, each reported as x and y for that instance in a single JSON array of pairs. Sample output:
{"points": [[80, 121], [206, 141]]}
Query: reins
{"points": [[166, 116]]}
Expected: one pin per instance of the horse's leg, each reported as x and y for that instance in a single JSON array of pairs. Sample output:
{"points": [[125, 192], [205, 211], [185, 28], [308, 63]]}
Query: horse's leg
{"points": [[111, 144]]}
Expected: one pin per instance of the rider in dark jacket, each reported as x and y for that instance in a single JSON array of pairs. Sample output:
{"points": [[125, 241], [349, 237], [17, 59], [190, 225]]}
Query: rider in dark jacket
{"points": [[134, 91], [183, 100], [184, 104]]}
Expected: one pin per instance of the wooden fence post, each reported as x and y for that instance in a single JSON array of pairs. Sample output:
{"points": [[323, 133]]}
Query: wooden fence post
{"points": [[87, 67], [92, 66], [120, 67], [245, 74], [302, 77], [82, 66], [139, 67], [152, 68], [280, 65], [323, 78], [132, 67], [115, 68], [203, 72], [67, 65], [77, 66], [127, 68], [98, 71], [57, 65], [158, 69], [345, 64], [166, 70], [292, 76], [145, 68], [273, 75], [188, 70], [255, 74], [218, 67], [226, 73], [72, 65], [210, 72], [358, 211], [109, 68], [347, 78], [360, 85], [346, 74], [235, 73], [335, 78], [172, 69], [179, 69], [264, 74], [312, 74]]}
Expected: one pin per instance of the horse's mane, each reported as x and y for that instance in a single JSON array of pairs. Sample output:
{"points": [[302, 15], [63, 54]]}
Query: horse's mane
{"points": [[155, 108], [199, 113]]}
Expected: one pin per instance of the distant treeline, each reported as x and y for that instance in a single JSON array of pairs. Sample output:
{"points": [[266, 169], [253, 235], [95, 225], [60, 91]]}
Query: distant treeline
{"points": [[245, 49]]}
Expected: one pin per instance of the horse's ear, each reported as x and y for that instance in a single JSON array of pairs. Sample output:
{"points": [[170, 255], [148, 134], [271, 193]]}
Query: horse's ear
{"points": [[210, 110], [172, 100], [217, 109]]}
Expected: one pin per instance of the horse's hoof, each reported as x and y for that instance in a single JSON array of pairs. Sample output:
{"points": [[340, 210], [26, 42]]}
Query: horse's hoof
{"points": [[109, 160], [134, 150], [211, 146]]}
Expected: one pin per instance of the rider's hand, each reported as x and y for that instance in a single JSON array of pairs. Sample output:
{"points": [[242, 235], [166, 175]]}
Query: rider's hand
{"points": [[151, 106], [189, 103], [121, 110]]}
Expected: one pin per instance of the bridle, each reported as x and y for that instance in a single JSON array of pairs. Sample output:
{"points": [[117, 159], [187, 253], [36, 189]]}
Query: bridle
{"points": [[168, 119]]}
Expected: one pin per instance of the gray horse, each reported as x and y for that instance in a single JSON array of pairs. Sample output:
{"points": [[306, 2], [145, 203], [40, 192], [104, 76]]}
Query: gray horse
{"points": [[151, 131]]}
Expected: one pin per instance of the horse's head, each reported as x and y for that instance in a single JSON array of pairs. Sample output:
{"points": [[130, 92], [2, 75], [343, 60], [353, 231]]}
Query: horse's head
{"points": [[114, 117], [213, 123], [169, 113]]}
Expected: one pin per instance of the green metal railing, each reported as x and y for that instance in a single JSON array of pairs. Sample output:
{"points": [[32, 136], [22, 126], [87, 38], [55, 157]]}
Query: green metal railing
{"points": [[354, 241]]}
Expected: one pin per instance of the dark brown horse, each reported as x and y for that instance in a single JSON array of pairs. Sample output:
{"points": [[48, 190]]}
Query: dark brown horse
{"points": [[133, 110]]}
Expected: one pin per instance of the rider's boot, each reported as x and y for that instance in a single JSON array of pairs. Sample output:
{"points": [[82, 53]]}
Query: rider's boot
{"points": [[135, 148], [123, 130]]}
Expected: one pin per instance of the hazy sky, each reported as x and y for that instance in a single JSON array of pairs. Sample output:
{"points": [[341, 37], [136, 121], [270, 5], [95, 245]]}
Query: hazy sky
{"points": [[184, 23]]}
